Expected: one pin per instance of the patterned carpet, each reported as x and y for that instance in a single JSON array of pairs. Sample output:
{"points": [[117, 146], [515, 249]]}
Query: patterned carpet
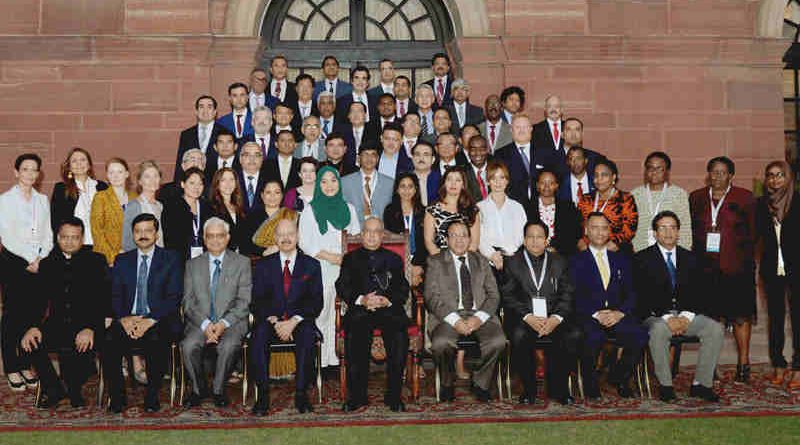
{"points": [[758, 398]]}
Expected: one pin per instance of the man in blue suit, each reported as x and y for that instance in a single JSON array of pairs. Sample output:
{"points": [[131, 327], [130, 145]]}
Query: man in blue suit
{"points": [[331, 81], [239, 120], [605, 302], [287, 299], [393, 159], [368, 190], [145, 293], [521, 159]]}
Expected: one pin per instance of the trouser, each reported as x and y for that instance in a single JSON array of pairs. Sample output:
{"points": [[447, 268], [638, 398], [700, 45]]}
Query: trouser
{"points": [[76, 367], [629, 334], [305, 350], [153, 346], [777, 289], [560, 356], [711, 336], [18, 286], [194, 344], [491, 340]]}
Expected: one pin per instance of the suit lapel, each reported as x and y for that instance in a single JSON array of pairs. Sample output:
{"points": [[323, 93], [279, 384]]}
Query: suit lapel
{"points": [[475, 280]]}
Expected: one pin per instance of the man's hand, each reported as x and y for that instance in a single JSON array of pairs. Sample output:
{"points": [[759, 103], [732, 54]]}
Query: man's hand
{"points": [[31, 340], [219, 328], [609, 318], [497, 260], [272, 319], [550, 324], [582, 245], [84, 341], [285, 329], [211, 334], [536, 323], [33, 267], [129, 323], [473, 323], [417, 274], [678, 325], [141, 326], [462, 327]]}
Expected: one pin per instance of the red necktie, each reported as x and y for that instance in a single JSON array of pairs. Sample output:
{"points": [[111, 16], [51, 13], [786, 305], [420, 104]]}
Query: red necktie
{"points": [[287, 283], [402, 109], [481, 183], [239, 124], [278, 90], [440, 92], [492, 135], [263, 148], [555, 134], [580, 191]]}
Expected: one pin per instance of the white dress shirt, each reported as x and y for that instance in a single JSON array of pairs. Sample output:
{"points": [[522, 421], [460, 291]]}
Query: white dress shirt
{"points": [[560, 131], [501, 226], [405, 103], [257, 100], [686, 314], [408, 144], [285, 167], [444, 164], [283, 83], [461, 113], [573, 184], [304, 108], [330, 85], [228, 162], [204, 138], [453, 317], [25, 224], [387, 88]]}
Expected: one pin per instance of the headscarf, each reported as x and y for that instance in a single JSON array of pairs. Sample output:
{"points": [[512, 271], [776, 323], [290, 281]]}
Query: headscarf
{"points": [[326, 208], [779, 201]]}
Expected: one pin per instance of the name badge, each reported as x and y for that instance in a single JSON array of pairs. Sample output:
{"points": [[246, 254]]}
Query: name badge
{"points": [[651, 237], [195, 252], [539, 307], [713, 240]]}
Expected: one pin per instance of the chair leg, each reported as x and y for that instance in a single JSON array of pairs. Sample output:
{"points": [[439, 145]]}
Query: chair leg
{"points": [[101, 382], [244, 373], [172, 387], [438, 382], [414, 376], [639, 379], [580, 380], [647, 374], [500, 380], [508, 372], [343, 379], [38, 398], [319, 373], [183, 378]]}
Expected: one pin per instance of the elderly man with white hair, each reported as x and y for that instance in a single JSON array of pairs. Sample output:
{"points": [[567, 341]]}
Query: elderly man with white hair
{"points": [[262, 132], [217, 291], [461, 111]]}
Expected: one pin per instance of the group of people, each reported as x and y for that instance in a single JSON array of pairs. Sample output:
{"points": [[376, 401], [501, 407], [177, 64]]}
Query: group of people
{"points": [[515, 231]]}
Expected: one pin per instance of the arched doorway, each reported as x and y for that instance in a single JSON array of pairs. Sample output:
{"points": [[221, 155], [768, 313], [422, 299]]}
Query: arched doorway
{"points": [[357, 32]]}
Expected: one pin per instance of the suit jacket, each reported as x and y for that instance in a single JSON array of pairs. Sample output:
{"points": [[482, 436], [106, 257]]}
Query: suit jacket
{"points": [[565, 186], [432, 183], [62, 206], [654, 287], [568, 225], [503, 137], [262, 179], [289, 96], [178, 225], [543, 140], [163, 284], [474, 115], [447, 96], [441, 287], [375, 127], [412, 106], [297, 120], [344, 167], [234, 289], [404, 163], [522, 180], [356, 278], [321, 155], [590, 296], [212, 168], [765, 230], [518, 289], [376, 91], [272, 151], [229, 121], [343, 107], [353, 192], [342, 88], [272, 171], [305, 290], [189, 140], [473, 187], [368, 135]]}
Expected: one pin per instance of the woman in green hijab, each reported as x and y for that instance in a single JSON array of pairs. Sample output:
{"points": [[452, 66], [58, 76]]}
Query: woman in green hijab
{"points": [[322, 224]]}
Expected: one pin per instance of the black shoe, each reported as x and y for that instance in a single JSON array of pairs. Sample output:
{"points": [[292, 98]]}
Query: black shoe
{"points": [[483, 395], [666, 394], [624, 390], [193, 401], [565, 401], [447, 394], [302, 404], [51, 398], [743, 373], [352, 405], [703, 392], [526, 399], [262, 403], [220, 400], [397, 407], [151, 403], [117, 404], [77, 400]]}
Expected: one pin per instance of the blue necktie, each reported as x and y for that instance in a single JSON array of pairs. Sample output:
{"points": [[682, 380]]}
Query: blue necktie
{"points": [[326, 127], [525, 159], [412, 246], [251, 193], [673, 273], [140, 302], [214, 282]]}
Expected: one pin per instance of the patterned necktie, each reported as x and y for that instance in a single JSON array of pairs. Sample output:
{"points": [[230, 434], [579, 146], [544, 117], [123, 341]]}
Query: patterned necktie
{"points": [[287, 284], [203, 136], [481, 184], [326, 127], [555, 135], [605, 274], [367, 196], [238, 124], [277, 90], [140, 303], [263, 147], [251, 191], [402, 107], [214, 282], [673, 272], [492, 135], [580, 192], [440, 92], [466, 284], [424, 124]]}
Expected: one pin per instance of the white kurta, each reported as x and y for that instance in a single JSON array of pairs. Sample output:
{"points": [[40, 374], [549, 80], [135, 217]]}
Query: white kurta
{"points": [[312, 242]]}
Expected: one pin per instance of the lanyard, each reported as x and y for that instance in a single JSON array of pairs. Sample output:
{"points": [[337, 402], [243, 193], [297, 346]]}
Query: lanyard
{"points": [[605, 203], [537, 282], [716, 208], [650, 199], [196, 226], [409, 221]]}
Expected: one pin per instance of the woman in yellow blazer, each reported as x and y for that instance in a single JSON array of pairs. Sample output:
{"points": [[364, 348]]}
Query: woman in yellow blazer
{"points": [[107, 210]]}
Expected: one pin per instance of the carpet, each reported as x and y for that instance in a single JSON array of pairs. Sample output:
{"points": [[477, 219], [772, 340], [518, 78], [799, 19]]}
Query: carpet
{"points": [[759, 398]]}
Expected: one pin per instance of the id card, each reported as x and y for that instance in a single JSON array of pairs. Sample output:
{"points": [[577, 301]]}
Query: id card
{"points": [[539, 307], [713, 240], [195, 252]]}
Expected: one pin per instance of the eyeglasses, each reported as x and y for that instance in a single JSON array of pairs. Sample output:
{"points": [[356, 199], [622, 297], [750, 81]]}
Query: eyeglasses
{"points": [[311, 125], [776, 175], [458, 235]]}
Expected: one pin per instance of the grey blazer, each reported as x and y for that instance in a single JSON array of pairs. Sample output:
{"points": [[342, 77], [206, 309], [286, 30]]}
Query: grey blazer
{"points": [[233, 294], [441, 287], [353, 192], [503, 138], [322, 156]]}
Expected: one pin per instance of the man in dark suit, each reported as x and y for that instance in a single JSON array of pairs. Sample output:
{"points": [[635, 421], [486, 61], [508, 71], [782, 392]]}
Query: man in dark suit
{"points": [[200, 136], [217, 287], [579, 180], [461, 111], [285, 167], [287, 299], [373, 284], [335, 151], [496, 131], [521, 158], [259, 97], [393, 159], [225, 150], [404, 103], [668, 280], [477, 179], [548, 134], [331, 82], [359, 78], [67, 314], [441, 82], [239, 121], [604, 307], [251, 176], [284, 120], [305, 106], [386, 81], [537, 301], [462, 298], [145, 293], [357, 131], [279, 87], [386, 114], [262, 133]]}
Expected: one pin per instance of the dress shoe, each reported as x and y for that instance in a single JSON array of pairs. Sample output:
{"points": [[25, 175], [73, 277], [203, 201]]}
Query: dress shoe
{"points": [[77, 400], [302, 404], [15, 381], [30, 378], [117, 404], [526, 399], [703, 392], [624, 390], [262, 403], [52, 397], [565, 401], [352, 405], [193, 401], [742, 373], [483, 395], [220, 400], [397, 407], [447, 394], [666, 394], [151, 403], [779, 376]]}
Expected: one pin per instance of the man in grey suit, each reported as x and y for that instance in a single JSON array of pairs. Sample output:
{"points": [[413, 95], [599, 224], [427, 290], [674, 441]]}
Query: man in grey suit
{"points": [[216, 300], [369, 191], [496, 132], [312, 144], [462, 299]]}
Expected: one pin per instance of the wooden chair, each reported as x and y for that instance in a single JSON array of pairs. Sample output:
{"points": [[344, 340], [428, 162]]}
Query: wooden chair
{"points": [[676, 345]]}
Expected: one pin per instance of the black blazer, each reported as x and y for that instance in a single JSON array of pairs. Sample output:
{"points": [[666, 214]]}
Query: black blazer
{"points": [[344, 167], [297, 120], [447, 96], [368, 135], [271, 171], [62, 206], [213, 167], [236, 228], [343, 107], [521, 180], [651, 279], [177, 225], [790, 242], [543, 137], [189, 140], [569, 225], [262, 179], [518, 288], [394, 222]]}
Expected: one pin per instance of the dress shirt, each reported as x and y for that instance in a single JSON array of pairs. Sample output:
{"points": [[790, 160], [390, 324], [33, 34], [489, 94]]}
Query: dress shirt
{"points": [[536, 264], [573, 184], [257, 100], [387, 88], [501, 226], [453, 317], [83, 208], [272, 84], [404, 102], [461, 113], [508, 116], [247, 177], [279, 129], [211, 267], [362, 97], [387, 165], [292, 257], [226, 162], [139, 255], [25, 224], [686, 314], [285, 167], [436, 80], [208, 128], [311, 149], [330, 85], [497, 127], [385, 121], [408, 144], [560, 131], [444, 164], [304, 108]]}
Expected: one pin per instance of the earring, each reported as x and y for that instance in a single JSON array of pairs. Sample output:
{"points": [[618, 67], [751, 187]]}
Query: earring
{"points": [[69, 175]]}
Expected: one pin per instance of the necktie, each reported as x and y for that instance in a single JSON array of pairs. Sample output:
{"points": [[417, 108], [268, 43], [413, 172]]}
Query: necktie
{"points": [[263, 147], [225, 164], [326, 127], [424, 124], [555, 135], [203, 137], [481, 184], [251, 191], [466, 284], [402, 107], [580, 192], [214, 282], [287, 165], [605, 274], [673, 272], [287, 283], [367, 196], [140, 304], [277, 90], [440, 92], [330, 87], [524, 157], [238, 124], [492, 135], [460, 113]]}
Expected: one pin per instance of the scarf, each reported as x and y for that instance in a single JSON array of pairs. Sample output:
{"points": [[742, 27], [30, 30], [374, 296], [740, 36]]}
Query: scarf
{"points": [[331, 209], [779, 201]]}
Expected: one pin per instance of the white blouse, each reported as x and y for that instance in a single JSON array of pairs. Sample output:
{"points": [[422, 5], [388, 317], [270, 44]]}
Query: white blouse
{"points": [[25, 224], [501, 227]]}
